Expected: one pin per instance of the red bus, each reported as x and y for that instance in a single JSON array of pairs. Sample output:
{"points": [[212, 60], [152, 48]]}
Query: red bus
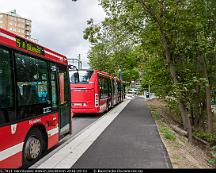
{"points": [[35, 111], [93, 91]]}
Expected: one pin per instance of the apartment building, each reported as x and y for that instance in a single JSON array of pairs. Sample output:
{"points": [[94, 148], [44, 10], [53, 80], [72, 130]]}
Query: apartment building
{"points": [[13, 22]]}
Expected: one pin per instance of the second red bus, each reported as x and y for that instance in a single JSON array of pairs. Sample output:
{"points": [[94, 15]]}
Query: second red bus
{"points": [[94, 91]]}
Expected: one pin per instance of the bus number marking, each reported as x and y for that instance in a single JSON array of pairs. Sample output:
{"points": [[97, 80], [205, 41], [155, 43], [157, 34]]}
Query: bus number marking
{"points": [[46, 110], [21, 43]]}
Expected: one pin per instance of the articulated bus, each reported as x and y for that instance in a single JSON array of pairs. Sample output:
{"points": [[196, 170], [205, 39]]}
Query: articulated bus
{"points": [[94, 91], [35, 107]]}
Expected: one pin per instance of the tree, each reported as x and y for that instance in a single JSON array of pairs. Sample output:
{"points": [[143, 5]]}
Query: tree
{"points": [[171, 42], [110, 49]]}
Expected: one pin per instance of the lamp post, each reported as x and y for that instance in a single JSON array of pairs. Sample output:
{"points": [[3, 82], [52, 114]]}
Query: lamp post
{"points": [[120, 72]]}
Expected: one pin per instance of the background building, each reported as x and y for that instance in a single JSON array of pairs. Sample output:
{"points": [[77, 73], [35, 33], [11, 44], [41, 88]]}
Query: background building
{"points": [[13, 22]]}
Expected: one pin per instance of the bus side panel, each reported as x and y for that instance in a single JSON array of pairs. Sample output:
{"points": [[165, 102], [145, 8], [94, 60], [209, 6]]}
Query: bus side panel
{"points": [[103, 104], [14, 161], [15, 134], [12, 138], [115, 98], [102, 101], [52, 128]]}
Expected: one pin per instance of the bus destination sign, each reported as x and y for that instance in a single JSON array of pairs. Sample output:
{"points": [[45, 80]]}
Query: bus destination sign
{"points": [[21, 43]]}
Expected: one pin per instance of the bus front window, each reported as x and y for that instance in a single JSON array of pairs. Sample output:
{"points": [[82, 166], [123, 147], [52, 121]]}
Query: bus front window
{"points": [[74, 77], [80, 77]]}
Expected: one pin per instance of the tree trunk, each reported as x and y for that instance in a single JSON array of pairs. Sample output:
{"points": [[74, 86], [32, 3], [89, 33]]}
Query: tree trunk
{"points": [[192, 114], [183, 115], [182, 106], [168, 55], [208, 108], [208, 97]]}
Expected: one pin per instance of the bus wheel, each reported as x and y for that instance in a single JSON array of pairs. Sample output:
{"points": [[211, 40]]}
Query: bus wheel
{"points": [[33, 147]]}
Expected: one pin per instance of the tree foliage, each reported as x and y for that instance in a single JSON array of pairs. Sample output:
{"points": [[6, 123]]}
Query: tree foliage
{"points": [[171, 43]]}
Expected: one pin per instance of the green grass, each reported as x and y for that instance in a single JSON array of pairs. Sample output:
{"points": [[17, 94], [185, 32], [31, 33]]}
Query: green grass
{"points": [[154, 112], [155, 115], [167, 133], [205, 136]]}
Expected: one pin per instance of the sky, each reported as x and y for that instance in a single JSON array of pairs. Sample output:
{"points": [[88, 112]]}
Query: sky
{"points": [[59, 24]]}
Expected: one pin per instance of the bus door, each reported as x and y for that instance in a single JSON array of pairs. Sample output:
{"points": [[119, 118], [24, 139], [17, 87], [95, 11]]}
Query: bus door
{"points": [[64, 101]]}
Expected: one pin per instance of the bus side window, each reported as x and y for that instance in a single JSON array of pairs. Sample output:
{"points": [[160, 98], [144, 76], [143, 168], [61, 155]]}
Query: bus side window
{"points": [[106, 82], [32, 86], [54, 87], [101, 85], [63, 85], [7, 113]]}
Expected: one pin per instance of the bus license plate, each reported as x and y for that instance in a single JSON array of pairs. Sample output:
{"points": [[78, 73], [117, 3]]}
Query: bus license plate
{"points": [[77, 104]]}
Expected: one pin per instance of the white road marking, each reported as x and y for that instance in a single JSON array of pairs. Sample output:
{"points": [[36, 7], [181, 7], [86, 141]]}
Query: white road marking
{"points": [[67, 156]]}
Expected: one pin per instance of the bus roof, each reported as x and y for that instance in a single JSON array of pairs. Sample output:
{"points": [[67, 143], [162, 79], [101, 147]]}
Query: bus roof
{"points": [[12, 40], [105, 74]]}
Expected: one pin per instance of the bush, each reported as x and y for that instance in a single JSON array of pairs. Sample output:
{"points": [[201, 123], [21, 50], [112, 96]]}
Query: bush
{"points": [[205, 136], [213, 155], [174, 112]]}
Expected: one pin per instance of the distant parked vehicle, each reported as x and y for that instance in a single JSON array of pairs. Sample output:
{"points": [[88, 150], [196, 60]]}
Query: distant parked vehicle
{"points": [[130, 95]]}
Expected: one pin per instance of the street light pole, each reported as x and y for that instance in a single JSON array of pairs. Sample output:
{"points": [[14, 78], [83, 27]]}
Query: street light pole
{"points": [[120, 72]]}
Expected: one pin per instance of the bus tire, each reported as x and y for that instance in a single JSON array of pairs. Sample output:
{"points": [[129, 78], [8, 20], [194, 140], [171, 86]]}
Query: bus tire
{"points": [[33, 147]]}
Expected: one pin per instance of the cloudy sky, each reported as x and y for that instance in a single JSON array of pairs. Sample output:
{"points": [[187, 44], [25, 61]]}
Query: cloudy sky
{"points": [[58, 24]]}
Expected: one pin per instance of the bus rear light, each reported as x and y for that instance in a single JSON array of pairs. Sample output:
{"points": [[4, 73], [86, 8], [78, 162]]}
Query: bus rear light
{"points": [[96, 100]]}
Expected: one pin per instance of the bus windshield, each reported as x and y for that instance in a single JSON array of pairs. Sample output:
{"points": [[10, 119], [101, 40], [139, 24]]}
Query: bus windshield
{"points": [[80, 77]]}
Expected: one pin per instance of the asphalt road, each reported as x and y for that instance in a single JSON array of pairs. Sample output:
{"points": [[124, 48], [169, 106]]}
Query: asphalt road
{"points": [[79, 123], [130, 141]]}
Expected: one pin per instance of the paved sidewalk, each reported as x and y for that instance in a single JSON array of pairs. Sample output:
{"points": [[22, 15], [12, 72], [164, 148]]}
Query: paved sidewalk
{"points": [[67, 154], [130, 141]]}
